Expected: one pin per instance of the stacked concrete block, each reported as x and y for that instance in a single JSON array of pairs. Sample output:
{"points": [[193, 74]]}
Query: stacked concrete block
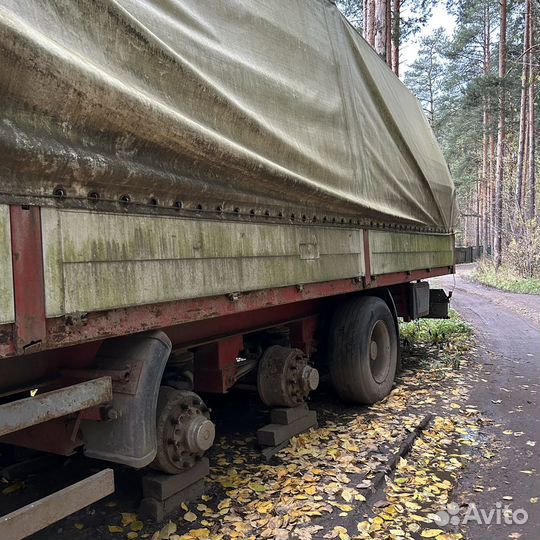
{"points": [[286, 423], [163, 493]]}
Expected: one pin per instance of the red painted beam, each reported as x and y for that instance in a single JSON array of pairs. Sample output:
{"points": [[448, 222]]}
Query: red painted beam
{"points": [[367, 258], [55, 436], [215, 364], [30, 326], [303, 334], [100, 325], [385, 280]]}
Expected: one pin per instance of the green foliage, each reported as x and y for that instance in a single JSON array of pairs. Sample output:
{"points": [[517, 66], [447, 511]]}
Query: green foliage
{"points": [[505, 278], [463, 85], [453, 331], [353, 10], [414, 14], [425, 76], [523, 251]]}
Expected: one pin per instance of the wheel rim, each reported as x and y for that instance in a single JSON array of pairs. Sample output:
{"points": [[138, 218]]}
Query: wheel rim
{"points": [[379, 351]]}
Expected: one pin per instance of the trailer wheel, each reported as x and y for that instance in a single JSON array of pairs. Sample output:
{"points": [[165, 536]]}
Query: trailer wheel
{"points": [[363, 350]]}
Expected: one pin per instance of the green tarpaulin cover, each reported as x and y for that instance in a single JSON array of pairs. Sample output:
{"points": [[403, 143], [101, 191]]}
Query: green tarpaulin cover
{"points": [[270, 103]]}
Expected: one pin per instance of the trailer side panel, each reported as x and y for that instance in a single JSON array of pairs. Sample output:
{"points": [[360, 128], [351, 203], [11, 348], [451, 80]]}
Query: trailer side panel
{"points": [[128, 260]]}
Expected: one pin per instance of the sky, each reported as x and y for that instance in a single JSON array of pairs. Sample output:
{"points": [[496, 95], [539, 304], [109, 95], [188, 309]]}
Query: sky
{"points": [[440, 17]]}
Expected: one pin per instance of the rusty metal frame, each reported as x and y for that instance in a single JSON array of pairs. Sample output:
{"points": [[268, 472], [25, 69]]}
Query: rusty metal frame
{"points": [[39, 514], [367, 258], [23, 413], [302, 334], [28, 284], [173, 316], [59, 436], [215, 364]]}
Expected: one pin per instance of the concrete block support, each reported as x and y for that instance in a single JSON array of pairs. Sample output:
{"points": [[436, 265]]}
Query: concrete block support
{"points": [[274, 434], [158, 510], [163, 493], [287, 415]]}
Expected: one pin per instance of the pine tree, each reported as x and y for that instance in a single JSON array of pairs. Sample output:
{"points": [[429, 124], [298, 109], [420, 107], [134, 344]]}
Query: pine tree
{"points": [[534, 60], [386, 24], [501, 135], [523, 109], [425, 76]]}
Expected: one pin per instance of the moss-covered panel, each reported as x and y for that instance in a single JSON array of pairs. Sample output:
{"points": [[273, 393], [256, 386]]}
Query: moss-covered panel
{"points": [[399, 252], [96, 261]]}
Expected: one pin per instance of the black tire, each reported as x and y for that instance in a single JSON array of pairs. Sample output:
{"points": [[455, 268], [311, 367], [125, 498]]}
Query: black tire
{"points": [[363, 350]]}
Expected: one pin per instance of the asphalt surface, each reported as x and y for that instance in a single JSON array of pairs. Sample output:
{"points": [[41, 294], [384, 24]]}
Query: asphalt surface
{"points": [[507, 329]]}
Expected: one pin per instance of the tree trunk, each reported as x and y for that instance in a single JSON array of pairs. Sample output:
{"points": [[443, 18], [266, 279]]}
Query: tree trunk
{"points": [[396, 37], [532, 158], [486, 122], [485, 175], [532, 138], [500, 139], [380, 27], [365, 19], [370, 36], [477, 218], [388, 28], [492, 170], [523, 112]]}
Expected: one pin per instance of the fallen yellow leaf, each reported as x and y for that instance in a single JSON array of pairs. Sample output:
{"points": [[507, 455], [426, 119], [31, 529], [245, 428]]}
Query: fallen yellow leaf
{"points": [[199, 533], [166, 531], [136, 525], [190, 516], [431, 533], [128, 518], [12, 488]]}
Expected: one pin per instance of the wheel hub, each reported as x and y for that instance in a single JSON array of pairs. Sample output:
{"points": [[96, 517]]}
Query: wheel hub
{"points": [[284, 378], [310, 379], [184, 430], [379, 351], [200, 434], [373, 349]]}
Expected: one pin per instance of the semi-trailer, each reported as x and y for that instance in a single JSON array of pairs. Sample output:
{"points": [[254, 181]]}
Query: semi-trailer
{"points": [[198, 194]]}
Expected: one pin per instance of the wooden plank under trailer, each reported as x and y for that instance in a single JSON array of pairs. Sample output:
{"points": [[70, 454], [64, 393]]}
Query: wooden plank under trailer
{"points": [[37, 515], [23, 413]]}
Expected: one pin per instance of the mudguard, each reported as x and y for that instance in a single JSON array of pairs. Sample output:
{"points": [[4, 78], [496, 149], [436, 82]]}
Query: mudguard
{"points": [[129, 439]]}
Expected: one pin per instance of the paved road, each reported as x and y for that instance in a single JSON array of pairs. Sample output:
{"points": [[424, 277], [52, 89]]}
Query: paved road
{"points": [[507, 327]]}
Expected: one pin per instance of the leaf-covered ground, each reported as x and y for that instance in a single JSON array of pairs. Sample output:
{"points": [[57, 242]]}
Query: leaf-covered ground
{"points": [[335, 481], [323, 484]]}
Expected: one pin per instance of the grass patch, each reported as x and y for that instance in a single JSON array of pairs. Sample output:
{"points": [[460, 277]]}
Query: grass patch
{"points": [[452, 334], [504, 279]]}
